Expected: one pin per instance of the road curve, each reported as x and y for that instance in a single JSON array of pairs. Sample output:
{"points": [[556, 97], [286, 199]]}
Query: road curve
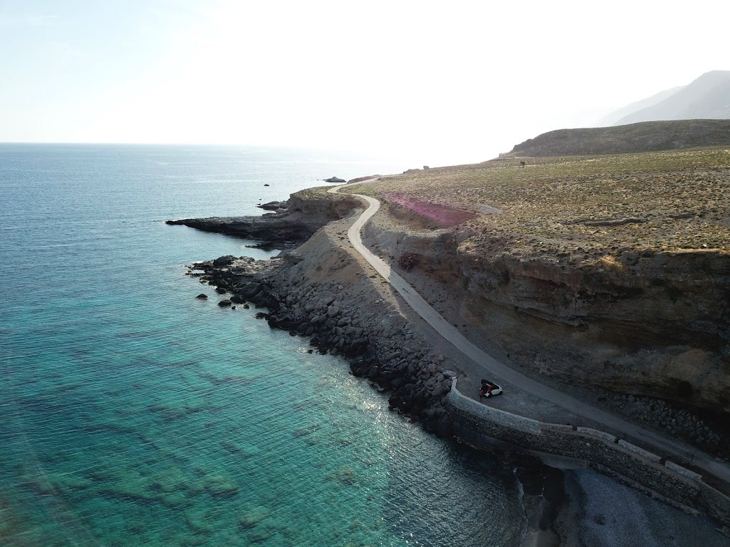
{"points": [[664, 445]]}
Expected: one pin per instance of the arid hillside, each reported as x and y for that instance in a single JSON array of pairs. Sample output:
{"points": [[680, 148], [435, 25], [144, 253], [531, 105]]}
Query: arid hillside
{"points": [[574, 210]]}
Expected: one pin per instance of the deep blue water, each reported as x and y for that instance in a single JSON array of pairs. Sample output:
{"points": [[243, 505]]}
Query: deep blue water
{"points": [[133, 414]]}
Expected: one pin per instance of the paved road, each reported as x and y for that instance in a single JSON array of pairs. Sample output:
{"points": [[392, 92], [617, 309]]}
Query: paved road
{"points": [[664, 446]]}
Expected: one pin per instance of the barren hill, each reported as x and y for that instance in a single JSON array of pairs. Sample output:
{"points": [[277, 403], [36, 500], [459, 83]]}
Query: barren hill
{"points": [[634, 138]]}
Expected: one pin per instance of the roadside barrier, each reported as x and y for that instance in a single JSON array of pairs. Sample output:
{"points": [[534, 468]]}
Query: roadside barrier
{"points": [[485, 427]]}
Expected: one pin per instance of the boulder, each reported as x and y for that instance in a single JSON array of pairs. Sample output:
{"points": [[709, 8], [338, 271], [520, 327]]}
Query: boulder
{"points": [[274, 205], [397, 382], [249, 290], [222, 261], [271, 302], [202, 296]]}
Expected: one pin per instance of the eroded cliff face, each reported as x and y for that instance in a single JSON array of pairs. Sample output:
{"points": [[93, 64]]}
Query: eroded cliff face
{"points": [[644, 322]]}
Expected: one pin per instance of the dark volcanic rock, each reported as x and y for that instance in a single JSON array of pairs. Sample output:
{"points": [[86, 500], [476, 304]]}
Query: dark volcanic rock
{"points": [[386, 354], [249, 290], [305, 214], [202, 296], [273, 229], [223, 261], [274, 205], [334, 179]]}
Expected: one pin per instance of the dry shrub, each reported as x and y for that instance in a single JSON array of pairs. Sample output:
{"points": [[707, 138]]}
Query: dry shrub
{"points": [[408, 261]]}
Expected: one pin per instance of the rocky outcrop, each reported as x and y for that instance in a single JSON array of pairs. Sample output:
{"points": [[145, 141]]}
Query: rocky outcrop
{"points": [[272, 231], [285, 228], [277, 206], [648, 323]]}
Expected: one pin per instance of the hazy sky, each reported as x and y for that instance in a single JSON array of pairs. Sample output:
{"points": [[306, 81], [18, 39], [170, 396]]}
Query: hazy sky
{"points": [[439, 82]]}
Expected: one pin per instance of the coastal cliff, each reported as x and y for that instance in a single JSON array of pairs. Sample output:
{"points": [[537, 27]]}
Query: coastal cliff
{"points": [[648, 323], [605, 278], [318, 289]]}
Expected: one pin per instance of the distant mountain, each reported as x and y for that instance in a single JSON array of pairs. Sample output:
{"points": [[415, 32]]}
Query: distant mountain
{"points": [[708, 97], [633, 138], [616, 115]]}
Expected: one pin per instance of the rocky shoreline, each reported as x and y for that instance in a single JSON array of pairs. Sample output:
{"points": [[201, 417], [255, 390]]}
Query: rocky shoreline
{"points": [[387, 354], [379, 345], [316, 289]]}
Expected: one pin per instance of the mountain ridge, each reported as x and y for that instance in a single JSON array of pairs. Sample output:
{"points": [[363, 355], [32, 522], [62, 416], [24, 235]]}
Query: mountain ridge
{"points": [[707, 97]]}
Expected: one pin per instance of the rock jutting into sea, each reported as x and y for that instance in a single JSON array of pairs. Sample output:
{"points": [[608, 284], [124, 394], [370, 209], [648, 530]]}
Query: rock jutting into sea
{"points": [[276, 206], [293, 222], [272, 231]]}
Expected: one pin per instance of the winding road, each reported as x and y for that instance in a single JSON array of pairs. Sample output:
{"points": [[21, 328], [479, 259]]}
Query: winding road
{"points": [[663, 445]]}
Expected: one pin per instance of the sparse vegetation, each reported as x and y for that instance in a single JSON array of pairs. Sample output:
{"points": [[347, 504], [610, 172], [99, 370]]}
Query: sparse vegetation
{"points": [[581, 209], [407, 261]]}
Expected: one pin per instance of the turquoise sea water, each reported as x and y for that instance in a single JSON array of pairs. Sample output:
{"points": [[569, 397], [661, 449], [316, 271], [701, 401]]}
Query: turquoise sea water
{"points": [[133, 414]]}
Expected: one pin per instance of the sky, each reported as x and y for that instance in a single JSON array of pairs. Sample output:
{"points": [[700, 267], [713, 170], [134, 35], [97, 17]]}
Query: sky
{"points": [[437, 82]]}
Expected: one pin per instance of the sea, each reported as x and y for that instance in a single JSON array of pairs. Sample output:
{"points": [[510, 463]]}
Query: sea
{"points": [[132, 413]]}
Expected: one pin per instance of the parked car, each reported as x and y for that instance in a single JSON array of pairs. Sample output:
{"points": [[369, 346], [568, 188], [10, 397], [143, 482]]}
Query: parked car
{"points": [[489, 389]]}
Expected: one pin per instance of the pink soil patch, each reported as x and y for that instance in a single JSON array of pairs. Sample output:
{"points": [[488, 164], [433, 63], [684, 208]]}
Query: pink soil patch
{"points": [[444, 215]]}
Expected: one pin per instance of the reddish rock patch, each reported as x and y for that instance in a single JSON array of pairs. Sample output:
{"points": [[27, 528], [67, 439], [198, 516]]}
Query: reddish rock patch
{"points": [[443, 215]]}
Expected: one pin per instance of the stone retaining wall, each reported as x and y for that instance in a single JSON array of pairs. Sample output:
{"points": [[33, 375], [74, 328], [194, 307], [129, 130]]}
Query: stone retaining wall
{"points": [[480, 426]]}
